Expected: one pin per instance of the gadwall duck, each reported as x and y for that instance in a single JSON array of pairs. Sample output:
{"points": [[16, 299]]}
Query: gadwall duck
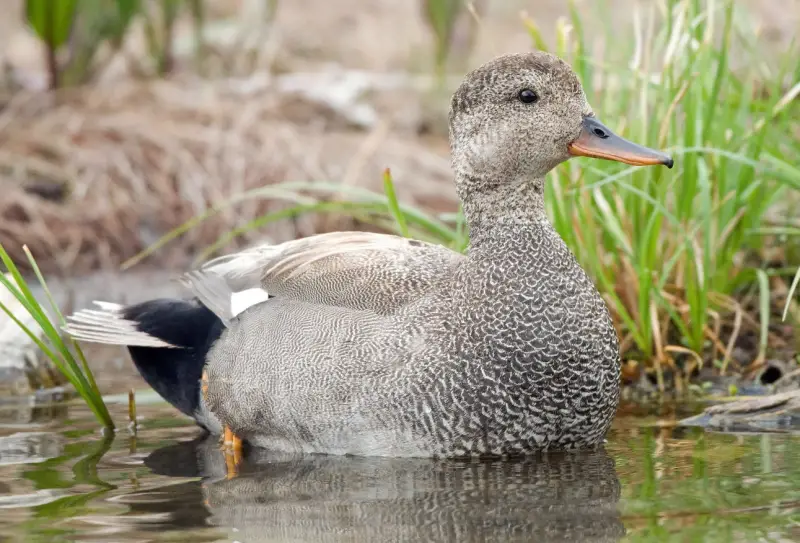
{"points": [[372, 344]]}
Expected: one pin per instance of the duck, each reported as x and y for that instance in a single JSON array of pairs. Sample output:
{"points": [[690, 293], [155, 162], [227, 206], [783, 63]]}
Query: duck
{"points": [[371, 344]]}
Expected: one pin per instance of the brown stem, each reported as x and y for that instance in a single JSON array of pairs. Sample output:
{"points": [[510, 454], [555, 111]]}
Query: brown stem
{"points": [[52, 67], [170, 12], [50, 51], [132, 408]]}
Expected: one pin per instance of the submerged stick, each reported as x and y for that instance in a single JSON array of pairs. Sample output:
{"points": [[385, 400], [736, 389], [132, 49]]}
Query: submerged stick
{"points": [[132, 409]]}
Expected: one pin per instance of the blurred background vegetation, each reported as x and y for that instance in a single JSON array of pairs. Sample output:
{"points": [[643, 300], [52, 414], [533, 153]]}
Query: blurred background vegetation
{"points": [[157, 133]]}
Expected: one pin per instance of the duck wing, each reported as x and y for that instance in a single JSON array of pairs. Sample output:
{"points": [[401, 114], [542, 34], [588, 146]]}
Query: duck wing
{"points": [[357, 270]]}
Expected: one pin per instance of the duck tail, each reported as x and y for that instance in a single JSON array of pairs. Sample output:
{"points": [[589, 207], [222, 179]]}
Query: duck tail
{"points": [[168, 340], [115, 324]]}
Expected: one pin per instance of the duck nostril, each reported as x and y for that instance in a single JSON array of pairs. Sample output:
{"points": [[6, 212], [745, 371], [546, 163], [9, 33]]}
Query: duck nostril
{"points": [[600, 133]]}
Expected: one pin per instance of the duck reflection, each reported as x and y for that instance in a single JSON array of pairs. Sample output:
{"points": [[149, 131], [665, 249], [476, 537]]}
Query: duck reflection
{"points": [[555, 497]]}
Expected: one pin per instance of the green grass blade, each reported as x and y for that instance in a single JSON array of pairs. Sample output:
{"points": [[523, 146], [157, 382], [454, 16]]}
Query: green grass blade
{"points": [[42, 319], [261, 192], [59, 354], [394, 206], [722, 72], [92, 392], [39, 343], [358, 211], [54, 356], [535, 34], [290, 191]]}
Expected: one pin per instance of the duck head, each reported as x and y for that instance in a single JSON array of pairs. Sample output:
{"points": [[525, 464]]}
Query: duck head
{"points": [[518, 116]]}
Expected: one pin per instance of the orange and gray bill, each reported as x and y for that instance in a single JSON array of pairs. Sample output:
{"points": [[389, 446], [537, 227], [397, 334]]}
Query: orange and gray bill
{"points": [[598, 141]]}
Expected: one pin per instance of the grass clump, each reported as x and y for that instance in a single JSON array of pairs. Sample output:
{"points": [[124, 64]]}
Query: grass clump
{"points": [[73, 34], [677, 254], [674, 253], [65, 356]]}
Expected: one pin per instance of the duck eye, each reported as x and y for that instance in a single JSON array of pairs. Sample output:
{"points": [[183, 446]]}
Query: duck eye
{"points": [[527, 96]]}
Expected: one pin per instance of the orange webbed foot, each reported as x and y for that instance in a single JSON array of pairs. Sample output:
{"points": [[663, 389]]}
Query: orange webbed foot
{"points": [[232, 448]]}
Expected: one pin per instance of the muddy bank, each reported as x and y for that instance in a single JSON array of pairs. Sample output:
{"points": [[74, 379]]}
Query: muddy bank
{"points": [[95, 178]]}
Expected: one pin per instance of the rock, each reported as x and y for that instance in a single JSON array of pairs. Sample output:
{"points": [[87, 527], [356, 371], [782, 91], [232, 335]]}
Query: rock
{"points": [[773, 413], [23, 367], [789, 380], [30, 447], [35, 410]]}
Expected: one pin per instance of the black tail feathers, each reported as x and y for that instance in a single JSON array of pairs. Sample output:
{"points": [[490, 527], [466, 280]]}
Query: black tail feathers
{"points": [[174, 373], [168, 341]]}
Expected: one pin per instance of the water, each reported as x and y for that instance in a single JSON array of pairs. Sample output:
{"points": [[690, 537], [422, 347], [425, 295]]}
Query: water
{"points": [[61, 481]]}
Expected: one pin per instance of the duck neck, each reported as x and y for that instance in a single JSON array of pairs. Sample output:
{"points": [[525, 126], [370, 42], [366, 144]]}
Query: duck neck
{"points": [[502, 209]]}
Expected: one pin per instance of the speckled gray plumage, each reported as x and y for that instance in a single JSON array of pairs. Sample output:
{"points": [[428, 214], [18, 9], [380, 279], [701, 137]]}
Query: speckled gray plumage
{"points": [[385, 346]]}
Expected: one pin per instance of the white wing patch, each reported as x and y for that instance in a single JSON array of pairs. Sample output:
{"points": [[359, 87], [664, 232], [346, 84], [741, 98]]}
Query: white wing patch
{"points": [[216, 293], [240, 301]]}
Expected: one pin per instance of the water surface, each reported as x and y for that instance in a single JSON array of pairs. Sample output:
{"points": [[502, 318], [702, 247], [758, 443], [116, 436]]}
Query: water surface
{"points": [[60, 480]]}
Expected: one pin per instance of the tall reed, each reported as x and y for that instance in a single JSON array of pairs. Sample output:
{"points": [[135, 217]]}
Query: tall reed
{"points": [[65, 355]]}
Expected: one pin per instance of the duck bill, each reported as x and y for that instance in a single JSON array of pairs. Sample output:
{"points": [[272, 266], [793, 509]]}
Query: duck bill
{"points": [[598, 141]]}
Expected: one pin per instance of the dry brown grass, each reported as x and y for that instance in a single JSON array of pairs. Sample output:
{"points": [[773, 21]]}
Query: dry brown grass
{"points": [[91, 177]]}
